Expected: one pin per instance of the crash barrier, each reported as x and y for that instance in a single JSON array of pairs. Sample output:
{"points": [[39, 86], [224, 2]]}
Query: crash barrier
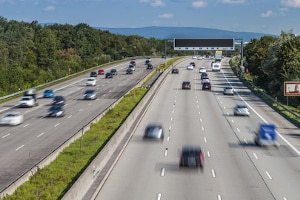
{"points": [[92, 179]]}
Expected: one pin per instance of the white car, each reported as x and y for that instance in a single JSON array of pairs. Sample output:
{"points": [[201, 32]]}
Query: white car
{"points": [[202, 70], [241, 110], [27, 101], [194, 57], [228, 91], [91, 81], [199, 58], [12, 118], [190, 67]]}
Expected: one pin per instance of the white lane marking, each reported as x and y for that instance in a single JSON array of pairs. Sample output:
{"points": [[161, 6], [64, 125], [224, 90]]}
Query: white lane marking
{"points": [[40, 134], [284, 198], [170, 128], [69, 116], [268, 175], [171, 119], [80, 110], [199, 113], [4, 136], [208, 154], [254, 154], [168, 139], [246, 142], [20, 147], [172, 111], [202, 128], [162, 172], [232, 121], [200, 119], [205, 140], [224, 108], [159, 196], [238, 130], [26, 125], [227, 114], [219, 197], [213, 173], [56, 124], [166, 151]]}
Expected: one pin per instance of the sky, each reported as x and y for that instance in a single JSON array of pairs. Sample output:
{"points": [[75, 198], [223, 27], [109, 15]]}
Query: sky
{"points": [[259, 16]]}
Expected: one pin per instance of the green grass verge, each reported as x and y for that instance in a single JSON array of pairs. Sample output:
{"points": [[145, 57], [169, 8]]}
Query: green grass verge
{"points": [[54, 180]]}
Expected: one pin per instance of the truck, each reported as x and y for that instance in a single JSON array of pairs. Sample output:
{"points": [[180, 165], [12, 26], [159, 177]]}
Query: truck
{"points": [[218, 56], [266, 135]]}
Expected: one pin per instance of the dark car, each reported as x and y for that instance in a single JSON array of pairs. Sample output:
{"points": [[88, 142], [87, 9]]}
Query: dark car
{"points": [[133, 63], [154, 132], [147, 61], [108, 75], [90, 95], [59, 100], [163, 56], [204, 74], [149, 66], [114, 72], [56, 111], [193, 64], [129, 70], [93, 74], [175, 71], [186, 85], [206, 86], [191, 156]]}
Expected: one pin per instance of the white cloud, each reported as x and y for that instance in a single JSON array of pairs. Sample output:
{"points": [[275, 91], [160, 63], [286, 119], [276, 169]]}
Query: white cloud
{"points": [[49, 8], [166, 16], [267, 14], [291, 3], [157, 3], [199, 4], [232, 1]]}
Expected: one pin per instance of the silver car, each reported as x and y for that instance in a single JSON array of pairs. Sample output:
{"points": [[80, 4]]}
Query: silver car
{"points": [[241, 110], [154, 132], [228, 91]]}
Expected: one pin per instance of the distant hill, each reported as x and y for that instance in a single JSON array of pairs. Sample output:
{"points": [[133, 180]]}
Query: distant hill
{"points": [[183, 32]]}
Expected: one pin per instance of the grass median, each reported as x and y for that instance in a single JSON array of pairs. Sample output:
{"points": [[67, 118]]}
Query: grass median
{"points": [[53, 181]]}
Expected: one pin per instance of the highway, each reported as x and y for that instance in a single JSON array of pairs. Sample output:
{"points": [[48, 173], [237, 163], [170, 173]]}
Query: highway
{"points": [[23, 147], [234, 169]]}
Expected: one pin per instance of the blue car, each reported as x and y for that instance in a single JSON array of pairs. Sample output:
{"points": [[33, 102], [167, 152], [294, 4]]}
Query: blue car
{"points": [[48, 94]]}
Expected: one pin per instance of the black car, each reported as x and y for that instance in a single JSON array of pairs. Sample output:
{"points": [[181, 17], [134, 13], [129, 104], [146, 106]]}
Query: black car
{"points": [[114, 72], [93, 74], [59, 100], [204, 74], [108, 75], [90, 95], [149, 66], [191, 156], [206, 86], [56, 111], [193, 64], [175, 71], [154, 132], [186, 85]]}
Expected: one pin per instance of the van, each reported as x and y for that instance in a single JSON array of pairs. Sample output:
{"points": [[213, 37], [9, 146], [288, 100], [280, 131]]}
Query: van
{"points": [[216, 67]]}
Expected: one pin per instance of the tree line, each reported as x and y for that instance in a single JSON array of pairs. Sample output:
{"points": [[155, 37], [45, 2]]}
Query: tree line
{"points": [[32, 54], [271, 61]]}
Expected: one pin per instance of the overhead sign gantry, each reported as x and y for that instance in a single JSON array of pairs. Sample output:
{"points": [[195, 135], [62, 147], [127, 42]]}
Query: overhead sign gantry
{"points": [[204, 44]]}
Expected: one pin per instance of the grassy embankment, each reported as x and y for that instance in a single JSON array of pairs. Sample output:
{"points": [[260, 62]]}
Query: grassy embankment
{"points": [[54, 180]]}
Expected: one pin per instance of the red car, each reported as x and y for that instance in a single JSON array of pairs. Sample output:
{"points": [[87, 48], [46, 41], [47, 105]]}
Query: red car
{"points": [[133, 63], [101, 72]]}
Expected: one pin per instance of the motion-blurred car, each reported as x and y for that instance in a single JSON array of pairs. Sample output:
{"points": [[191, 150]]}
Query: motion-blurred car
{"points": [[90, 95], [186, 85], [199, 57], [202, 70], [48, 94], [204, 74], [59, 100], [101, 72], [190, 67], [108, 75], [241, 109], [175, 71], [93, 74], [191, 156], [206, 86], [27, 101], [114, 72], [12, 118], [56, 111], [154, 132], [91, 81], [132, 67], [133, 63], [228, 91], [194, 57], [205, 80], [193, 64], [129, 70]]}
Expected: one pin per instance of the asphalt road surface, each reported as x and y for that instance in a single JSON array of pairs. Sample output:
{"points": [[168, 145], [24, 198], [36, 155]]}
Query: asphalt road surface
{"points": [[234, 169]]}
